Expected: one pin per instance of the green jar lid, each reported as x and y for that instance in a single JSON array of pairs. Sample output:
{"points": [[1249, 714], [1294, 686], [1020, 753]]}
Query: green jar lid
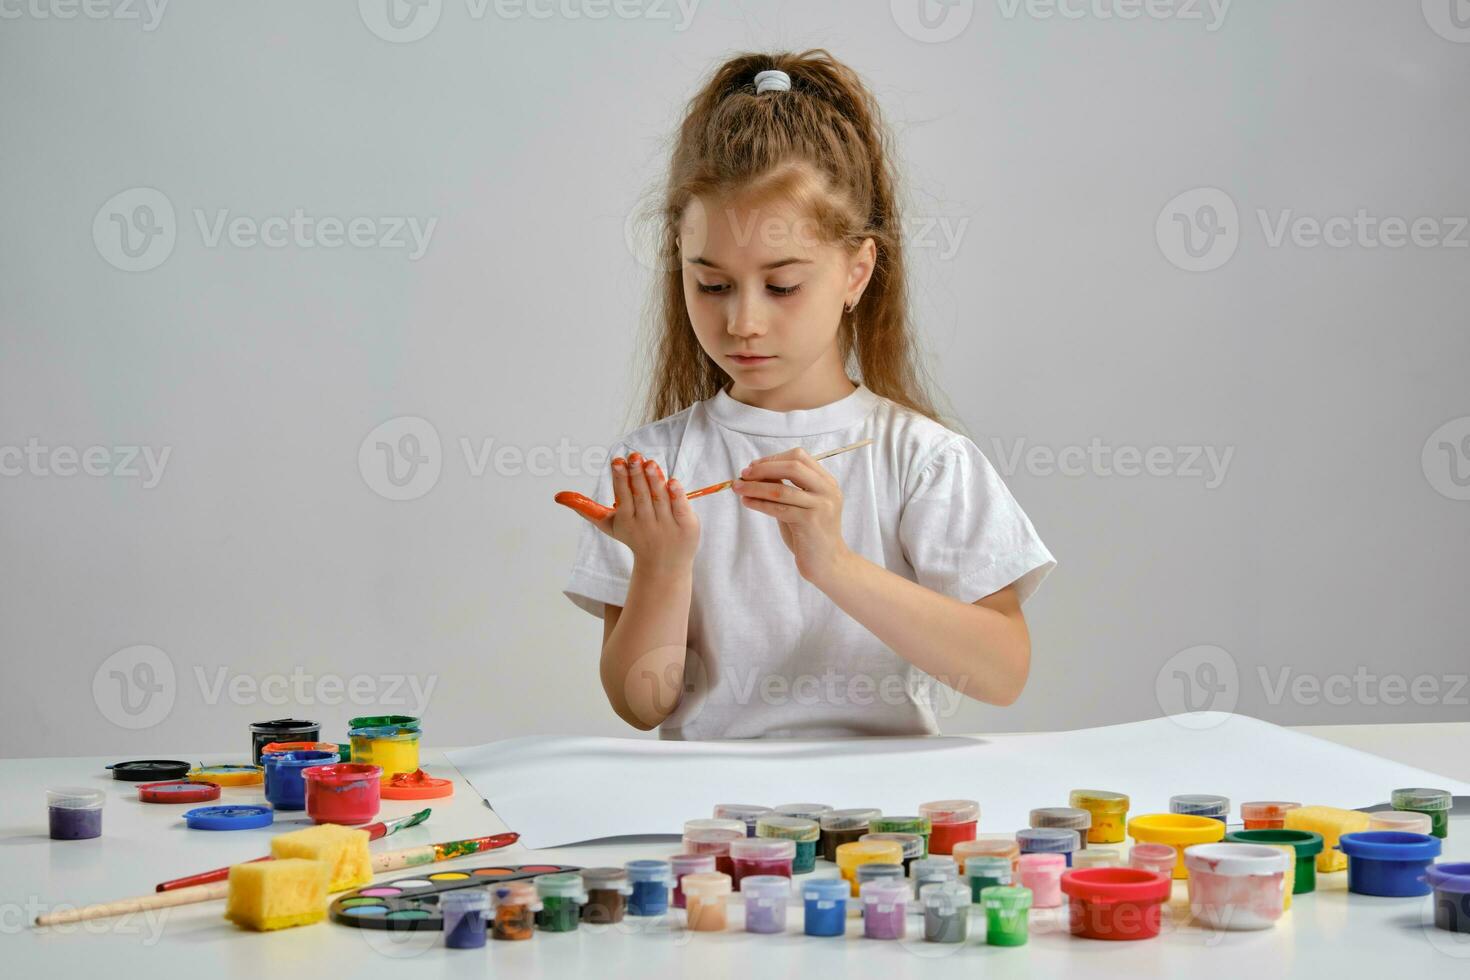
{"points": [[1306, 843]]}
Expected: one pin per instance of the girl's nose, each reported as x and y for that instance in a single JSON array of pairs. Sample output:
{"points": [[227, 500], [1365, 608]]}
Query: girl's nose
{"points": [[746, 320]]}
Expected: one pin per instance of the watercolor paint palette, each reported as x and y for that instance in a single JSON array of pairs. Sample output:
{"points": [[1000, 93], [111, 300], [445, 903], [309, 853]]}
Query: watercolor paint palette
{"points": [[413, 903]]}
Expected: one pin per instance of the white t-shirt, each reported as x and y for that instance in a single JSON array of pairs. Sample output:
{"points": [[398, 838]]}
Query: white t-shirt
{"points": [[769, 654]]}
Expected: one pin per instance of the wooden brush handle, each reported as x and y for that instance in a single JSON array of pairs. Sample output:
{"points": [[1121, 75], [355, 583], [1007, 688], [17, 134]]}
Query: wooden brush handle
{"points": [[211, 892]]}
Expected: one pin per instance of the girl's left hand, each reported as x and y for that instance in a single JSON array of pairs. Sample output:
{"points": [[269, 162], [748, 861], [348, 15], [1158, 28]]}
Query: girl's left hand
{"points": [[810, 513]]}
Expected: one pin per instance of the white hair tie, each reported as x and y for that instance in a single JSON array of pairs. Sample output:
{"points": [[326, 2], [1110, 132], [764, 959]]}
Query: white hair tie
{"points": [[772, 80]]}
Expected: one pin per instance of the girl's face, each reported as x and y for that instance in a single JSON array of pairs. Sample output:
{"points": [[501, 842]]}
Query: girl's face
{"points": [[760, 282]]}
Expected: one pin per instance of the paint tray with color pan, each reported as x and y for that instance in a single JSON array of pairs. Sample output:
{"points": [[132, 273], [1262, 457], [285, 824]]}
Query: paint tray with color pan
{"points": [[412, 903]]}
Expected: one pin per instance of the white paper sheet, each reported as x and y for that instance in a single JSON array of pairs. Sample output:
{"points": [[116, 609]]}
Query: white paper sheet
{"points": [[565, 790]]}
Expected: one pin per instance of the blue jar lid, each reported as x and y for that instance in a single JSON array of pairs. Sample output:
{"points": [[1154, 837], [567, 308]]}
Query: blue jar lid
{"points": [[826, 890], [304, 757], [1048, 839], [465, 900], [650, 869], [1389, 845], [1453, 876], [229, 817]]}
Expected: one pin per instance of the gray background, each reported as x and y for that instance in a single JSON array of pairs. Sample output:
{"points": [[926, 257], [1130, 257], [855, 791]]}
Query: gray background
{"points": [[1332, 546]]}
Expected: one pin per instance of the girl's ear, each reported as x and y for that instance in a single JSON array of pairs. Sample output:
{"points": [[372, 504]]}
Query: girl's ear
{"points": [[860, 268]]}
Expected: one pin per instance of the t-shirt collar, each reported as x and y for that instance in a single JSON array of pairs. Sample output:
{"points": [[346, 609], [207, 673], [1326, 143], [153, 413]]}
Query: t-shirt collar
{"points": [[754, 421]]}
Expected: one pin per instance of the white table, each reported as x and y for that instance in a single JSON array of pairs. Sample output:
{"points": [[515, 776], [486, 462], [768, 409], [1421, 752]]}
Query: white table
{"points": [[1328, 933]]}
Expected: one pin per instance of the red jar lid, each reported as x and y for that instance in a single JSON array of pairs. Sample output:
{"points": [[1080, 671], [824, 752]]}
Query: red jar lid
{"points": [[1110, 885], [416, 785], [178, 791]]}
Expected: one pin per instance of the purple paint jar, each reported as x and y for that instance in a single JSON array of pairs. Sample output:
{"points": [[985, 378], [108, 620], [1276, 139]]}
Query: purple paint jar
{"points": [[765, 897], [885, 903], [75, 812]]}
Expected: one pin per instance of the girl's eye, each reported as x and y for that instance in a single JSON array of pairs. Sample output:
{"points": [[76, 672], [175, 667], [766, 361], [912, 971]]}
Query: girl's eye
{"points": [[718, 288]]}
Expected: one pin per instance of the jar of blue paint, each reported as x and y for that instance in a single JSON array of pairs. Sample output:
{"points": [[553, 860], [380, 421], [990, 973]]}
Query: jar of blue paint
{"points": [[824, 901], [75, 812], [1045, 840], [650, 880], [284, 787], [1391, 863], [465, 912]]}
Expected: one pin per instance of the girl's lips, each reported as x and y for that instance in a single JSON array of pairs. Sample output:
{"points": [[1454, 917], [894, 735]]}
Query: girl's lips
{"points": [[741, 359]]}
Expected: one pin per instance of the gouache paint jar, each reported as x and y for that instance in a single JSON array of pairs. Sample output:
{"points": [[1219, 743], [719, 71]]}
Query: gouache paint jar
{"points": [[1178, 830], [1049, 840], [1119, 904], [344, 792], [1042, 874], [705, 894], [1109, 812], [1265, 815], [950, 822], [285, 789], [1064, 818], [1007, 909], [766, 897], [804, 832], [946, 906], [885, 904], [843, 827], [761, 856], [1388, 862], [688, 864], [824, 902], [1434, 803], [1201, 805], [1236, 886], [1305, 845], [746, 813], [75, 812]]}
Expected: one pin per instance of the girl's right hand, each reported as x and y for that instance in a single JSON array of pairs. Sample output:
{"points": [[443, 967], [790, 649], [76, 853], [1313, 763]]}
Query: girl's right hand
{"points": [[652, 516]]}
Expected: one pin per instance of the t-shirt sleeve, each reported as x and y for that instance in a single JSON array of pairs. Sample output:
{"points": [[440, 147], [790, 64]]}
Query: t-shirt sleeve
{"points": [[603, 567], [964, 534]]}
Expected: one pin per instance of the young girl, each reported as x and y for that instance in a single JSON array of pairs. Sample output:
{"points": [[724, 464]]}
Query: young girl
{"points": [[813, 598]]}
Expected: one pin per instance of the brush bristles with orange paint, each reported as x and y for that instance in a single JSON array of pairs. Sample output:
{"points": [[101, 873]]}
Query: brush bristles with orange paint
{"points": [[588, 507]]}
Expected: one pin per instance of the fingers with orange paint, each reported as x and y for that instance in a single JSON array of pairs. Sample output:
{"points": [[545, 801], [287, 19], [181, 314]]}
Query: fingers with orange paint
{"points": [[583, 505]]}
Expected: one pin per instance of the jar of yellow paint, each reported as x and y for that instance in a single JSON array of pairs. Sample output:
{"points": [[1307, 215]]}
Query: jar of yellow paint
{"points": [[849, 856], [1109, 814], [1178, 830], [394, 748]]}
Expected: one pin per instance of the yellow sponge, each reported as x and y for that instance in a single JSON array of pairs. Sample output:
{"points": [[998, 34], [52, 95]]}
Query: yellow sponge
{"points": [[343, 849], [276, 894], [1331, 823]]}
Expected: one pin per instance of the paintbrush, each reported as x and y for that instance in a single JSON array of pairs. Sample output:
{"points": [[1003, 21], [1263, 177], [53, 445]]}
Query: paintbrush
{"points": [[410, 857], [588, 507], [376, 831]]}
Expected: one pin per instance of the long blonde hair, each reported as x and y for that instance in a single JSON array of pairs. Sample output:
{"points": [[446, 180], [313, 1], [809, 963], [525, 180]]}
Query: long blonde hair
{"points": [[821, 145]]}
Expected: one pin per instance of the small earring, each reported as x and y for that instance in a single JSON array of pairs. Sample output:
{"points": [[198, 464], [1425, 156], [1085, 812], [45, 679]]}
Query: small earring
{"points": [[848, 306]]}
